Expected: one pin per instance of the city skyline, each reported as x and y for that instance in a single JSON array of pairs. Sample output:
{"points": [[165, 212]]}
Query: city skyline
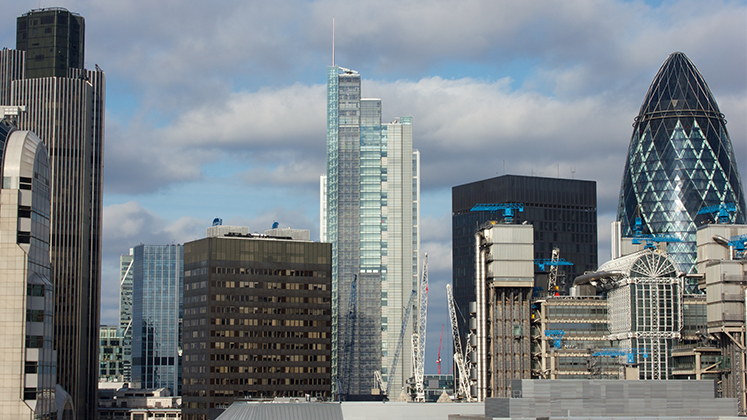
{"points": [[550, 79]]}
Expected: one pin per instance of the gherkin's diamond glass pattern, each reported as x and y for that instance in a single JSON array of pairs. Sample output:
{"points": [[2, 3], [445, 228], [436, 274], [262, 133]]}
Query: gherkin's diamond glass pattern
{"points": [[680, 159]]}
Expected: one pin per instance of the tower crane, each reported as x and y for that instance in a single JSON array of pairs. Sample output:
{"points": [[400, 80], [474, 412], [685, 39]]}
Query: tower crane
{"points": [[647, 238], [463, 384], [554, 262], [346, 377], [721, 211], [419, 351], [508, 209], [440, 341], [397, 352]]}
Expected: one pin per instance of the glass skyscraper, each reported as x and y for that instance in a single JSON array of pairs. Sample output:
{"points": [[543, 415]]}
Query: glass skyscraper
{"points": [[158, 274], [680, 160], [370, 209]]}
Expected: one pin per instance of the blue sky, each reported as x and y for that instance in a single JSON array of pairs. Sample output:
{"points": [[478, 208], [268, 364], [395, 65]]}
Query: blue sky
{"points": [[217, 109]]}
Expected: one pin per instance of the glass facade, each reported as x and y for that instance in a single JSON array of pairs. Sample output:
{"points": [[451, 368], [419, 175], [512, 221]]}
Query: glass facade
{"points": [[125, 312], [563, 213], [680, 160], [158, 273], [369, 213], [111, 354]]}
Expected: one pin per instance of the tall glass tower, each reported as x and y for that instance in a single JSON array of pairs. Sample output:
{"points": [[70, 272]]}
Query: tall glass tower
{"points": [[158, 275], [370, 210], [680, 160]]}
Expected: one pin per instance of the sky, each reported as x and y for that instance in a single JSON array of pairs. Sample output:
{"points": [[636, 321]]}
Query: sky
{"points": [[218, 109]]}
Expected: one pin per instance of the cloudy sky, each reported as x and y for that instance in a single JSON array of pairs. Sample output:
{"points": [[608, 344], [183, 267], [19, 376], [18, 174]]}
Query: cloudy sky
{"points": [[217, 109]]}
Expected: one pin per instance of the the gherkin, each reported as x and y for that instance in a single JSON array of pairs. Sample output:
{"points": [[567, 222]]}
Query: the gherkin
{"points": [[680, 160]]}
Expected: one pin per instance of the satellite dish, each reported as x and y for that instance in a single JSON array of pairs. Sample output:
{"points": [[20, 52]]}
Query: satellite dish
{"points": [[217, 221], [275, 225]]}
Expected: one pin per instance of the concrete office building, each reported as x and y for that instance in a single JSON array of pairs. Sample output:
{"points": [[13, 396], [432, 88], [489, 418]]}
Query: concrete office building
{"points": [[563, 213], [680, 160], [28, 365], [257, 321], [64, 106], [370, 210], [157, 283]]}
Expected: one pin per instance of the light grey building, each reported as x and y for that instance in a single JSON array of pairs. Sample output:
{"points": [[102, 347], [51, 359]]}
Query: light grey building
{"points": [[125, 313], [28, 365], [370, 210], [64, 106]]}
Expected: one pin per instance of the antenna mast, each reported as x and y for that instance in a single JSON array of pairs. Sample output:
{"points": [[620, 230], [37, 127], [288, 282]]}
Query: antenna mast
{"points": [[333, 42]]}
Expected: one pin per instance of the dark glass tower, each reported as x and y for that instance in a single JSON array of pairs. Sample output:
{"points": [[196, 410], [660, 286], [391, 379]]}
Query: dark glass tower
{"points": [[680, 160], [54, 41], [562, 211]]}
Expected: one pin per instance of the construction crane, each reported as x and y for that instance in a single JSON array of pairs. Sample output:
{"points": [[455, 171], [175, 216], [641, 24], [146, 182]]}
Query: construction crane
{"points": [[345, 378], [402, 330], [721, 211], [554, 262], [508, 209], [440, 341], [557, 336], [628, 353], [463, 384], [647, 238], [419, 352], [738, 243]]}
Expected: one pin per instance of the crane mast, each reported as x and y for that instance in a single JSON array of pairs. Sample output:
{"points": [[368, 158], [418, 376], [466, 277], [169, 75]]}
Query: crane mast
{"points": [[402, 330], [419, 350], [463, 384]]}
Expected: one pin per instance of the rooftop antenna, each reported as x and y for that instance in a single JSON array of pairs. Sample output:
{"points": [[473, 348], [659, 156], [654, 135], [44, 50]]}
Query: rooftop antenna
{"points": [[573, 172], [333, 41]]}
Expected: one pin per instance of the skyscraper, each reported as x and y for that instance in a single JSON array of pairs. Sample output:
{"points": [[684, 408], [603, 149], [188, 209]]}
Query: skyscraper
{"points": [[64, 106], [157, 282], [562, 211], [125, 312], [680, 160], [370, 210]]}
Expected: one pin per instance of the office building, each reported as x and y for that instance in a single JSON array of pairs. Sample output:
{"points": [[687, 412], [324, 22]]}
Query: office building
{"points": [[563, 213], [257, 321], [126, 274], [500, 348], [680, 160], [111, 354], [28, 365], [370, 210], [157, 282], [64, 106]]}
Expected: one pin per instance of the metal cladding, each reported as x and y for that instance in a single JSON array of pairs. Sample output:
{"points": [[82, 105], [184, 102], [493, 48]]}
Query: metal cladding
{"points": [[680, 160]]}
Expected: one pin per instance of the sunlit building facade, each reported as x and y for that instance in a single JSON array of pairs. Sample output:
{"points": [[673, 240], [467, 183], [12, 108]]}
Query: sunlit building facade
{"points": [[126, 274], [370, 210], [680, 160]]}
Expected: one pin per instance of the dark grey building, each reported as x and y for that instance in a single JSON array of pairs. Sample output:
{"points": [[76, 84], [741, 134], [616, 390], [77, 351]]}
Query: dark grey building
{"points": [[54, 41], [64, 106], [257, 321], [562, 211]]}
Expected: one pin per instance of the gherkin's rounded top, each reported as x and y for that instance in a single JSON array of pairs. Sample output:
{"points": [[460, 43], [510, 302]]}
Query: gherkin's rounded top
{"points": [[680, 89]]}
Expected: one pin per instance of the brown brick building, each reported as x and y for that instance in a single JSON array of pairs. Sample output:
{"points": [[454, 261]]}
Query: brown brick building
{"points": [[257, 321]]}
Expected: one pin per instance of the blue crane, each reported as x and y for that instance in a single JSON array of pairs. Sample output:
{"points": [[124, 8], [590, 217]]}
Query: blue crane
{"points": [[508, 209], [542, 262], [557, 336], [721, 211], [629, 353], [647, 238], [739, 244]]}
